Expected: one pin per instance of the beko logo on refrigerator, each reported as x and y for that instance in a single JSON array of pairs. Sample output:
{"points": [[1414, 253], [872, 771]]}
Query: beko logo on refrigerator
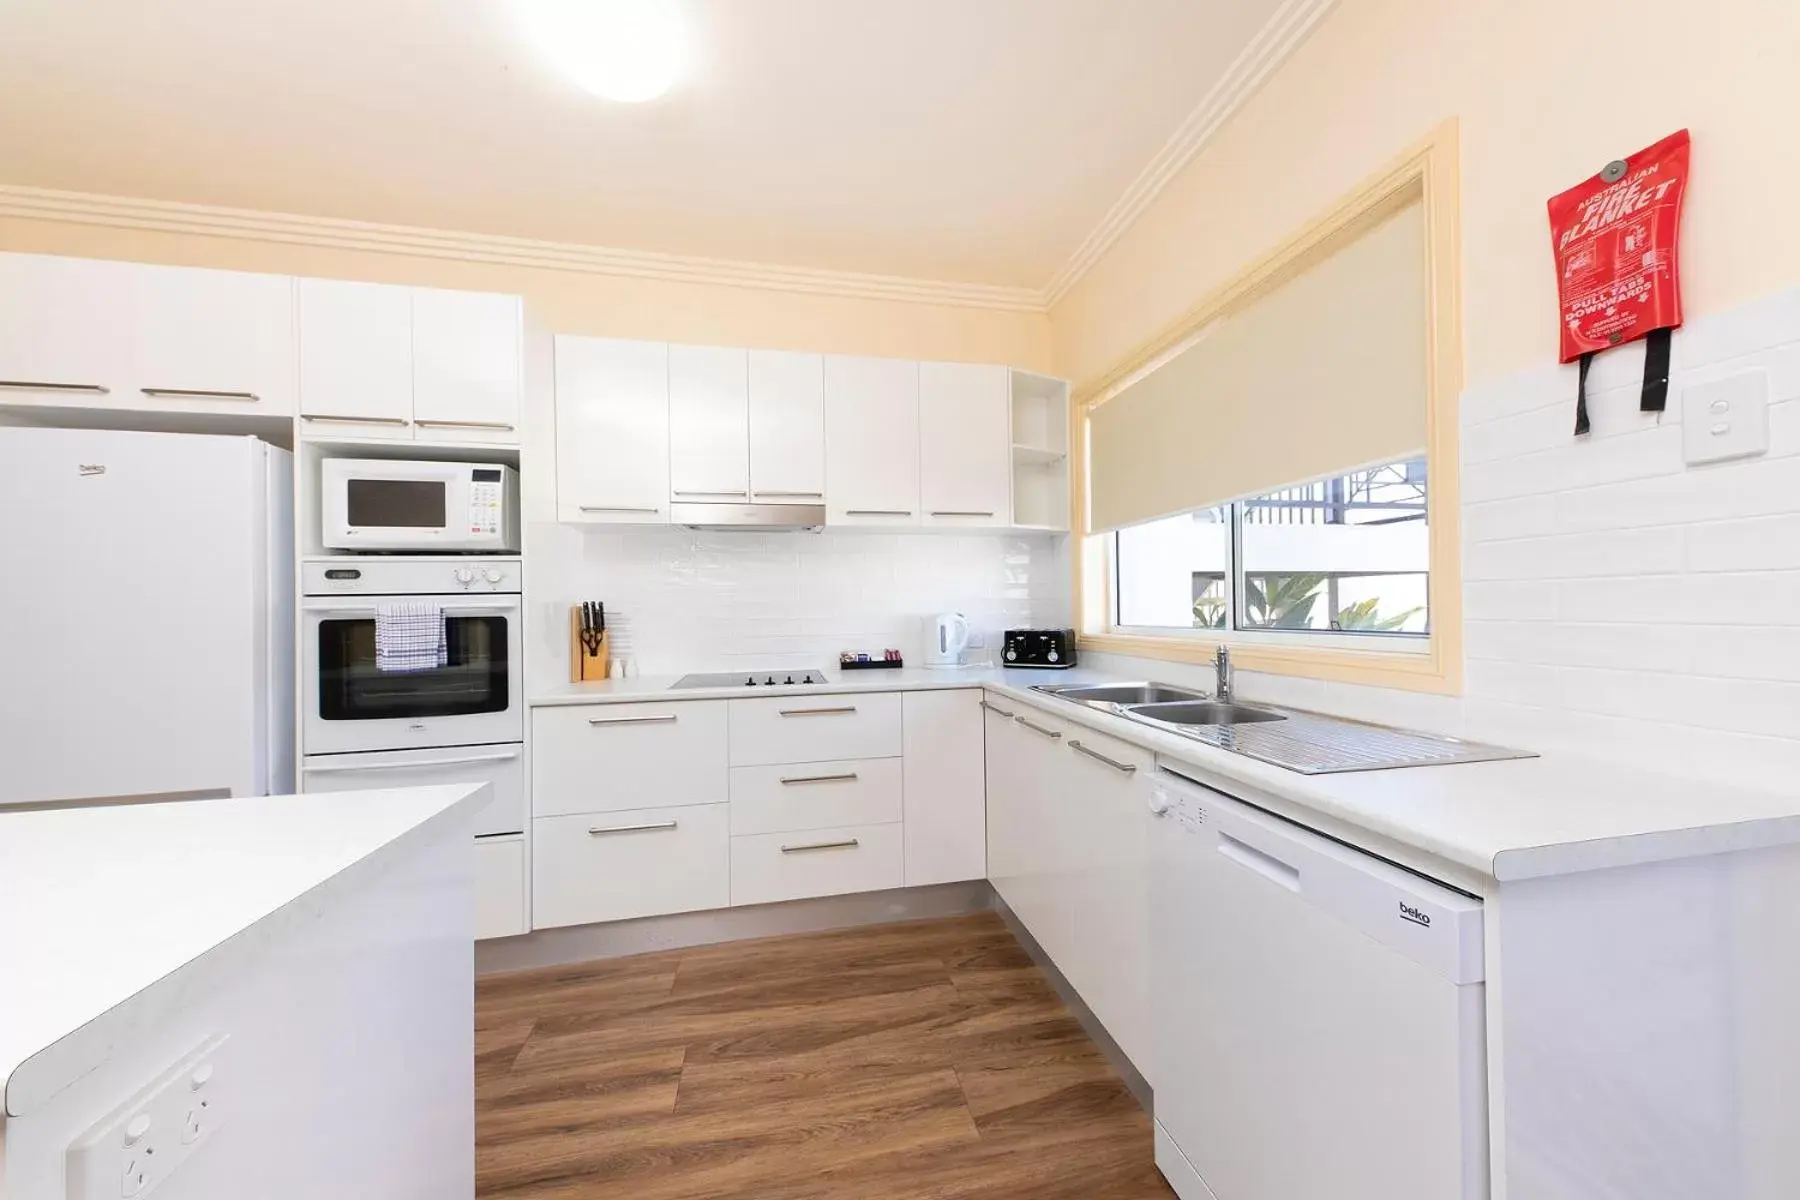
{"points": [[1409, 913], [91, 468]]}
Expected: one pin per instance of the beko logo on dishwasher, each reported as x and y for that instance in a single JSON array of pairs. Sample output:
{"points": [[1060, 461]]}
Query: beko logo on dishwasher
{"points": [[91, 468], [1409, 913]]}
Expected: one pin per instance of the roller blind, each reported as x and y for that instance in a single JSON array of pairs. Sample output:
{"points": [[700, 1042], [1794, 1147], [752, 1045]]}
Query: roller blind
{"points": [[1320, 374]]}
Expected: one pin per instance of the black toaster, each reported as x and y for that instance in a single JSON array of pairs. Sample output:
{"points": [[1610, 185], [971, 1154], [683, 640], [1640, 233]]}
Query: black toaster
{"points": [[1038, 648]]}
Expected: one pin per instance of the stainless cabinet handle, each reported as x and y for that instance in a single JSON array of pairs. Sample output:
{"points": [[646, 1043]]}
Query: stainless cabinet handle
{"points": [[878, 512], [465, 424], [1115, 764], [616, 508], [952, 512], [728, 495], [355, 420], [818, 712], [26, 385], [199, 394], [791, 495], [1049, 733], [650, 827], [846, 844], [659, 719], [995, 708], [845, 777]]}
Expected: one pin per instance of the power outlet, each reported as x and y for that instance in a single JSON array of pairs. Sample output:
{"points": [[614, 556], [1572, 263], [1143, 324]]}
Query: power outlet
{"points": [[140, 1144]]}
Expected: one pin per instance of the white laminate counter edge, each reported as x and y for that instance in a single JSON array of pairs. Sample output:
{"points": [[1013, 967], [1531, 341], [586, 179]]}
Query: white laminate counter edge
{"points": [[1473, 825], [71, 1024]]}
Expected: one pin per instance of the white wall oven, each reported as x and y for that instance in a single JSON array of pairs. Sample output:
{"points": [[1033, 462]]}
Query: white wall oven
{"points": [[386, 504], [359, 695]]}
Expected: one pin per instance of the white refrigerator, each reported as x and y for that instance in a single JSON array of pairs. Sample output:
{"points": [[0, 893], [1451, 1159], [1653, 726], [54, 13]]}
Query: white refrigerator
{"points": [[148, 614]]}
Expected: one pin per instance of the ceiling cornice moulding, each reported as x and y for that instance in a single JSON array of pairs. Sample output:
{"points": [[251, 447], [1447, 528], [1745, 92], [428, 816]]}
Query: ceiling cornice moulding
{"points": [[1278, 38], [118, 212]]}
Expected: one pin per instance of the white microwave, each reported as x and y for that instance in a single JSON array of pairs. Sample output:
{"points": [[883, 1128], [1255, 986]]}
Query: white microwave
{"points": [[402, 504]]}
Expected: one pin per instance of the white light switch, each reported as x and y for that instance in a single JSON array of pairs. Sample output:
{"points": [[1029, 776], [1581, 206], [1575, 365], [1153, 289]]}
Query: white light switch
{"points": [[1726, 418]]}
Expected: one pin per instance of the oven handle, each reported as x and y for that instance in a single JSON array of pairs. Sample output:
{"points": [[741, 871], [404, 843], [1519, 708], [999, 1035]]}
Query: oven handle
{"points": [[504, 756], [368, 610]]}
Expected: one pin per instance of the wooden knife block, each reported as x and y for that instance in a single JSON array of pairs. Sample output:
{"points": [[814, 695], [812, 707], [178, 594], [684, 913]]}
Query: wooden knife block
{"points": [[585, 667]]}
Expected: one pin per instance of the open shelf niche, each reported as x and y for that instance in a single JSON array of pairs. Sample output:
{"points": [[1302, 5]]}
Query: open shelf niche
{"points": [[1040, 451]]}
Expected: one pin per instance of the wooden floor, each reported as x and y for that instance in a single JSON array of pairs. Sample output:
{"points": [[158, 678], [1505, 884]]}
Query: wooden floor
{"points": [[925, 1059]]}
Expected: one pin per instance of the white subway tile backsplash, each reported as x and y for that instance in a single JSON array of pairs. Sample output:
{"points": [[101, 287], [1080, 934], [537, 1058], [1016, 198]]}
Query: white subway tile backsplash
{"points": [[1759, 544], [681, 600]]}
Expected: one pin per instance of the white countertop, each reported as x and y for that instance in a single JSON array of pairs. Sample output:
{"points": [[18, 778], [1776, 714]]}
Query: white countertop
{"points": [[100, 903], [1472, 824], [906, 679]]}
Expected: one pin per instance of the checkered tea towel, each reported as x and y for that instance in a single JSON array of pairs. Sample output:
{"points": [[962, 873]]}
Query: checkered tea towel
{"points": [[409, 636]]}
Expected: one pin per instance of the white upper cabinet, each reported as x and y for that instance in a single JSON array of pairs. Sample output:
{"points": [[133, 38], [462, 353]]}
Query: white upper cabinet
{"points": [[871, 441], [612, 431], [64, 336], [211, 341], [787, 427], [965, 459], [466, 349], [709, 425], [356, 364]]}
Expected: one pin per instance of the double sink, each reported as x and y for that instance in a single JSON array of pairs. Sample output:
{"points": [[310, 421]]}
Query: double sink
{"points": [[1305, 742], [1160, 704]]}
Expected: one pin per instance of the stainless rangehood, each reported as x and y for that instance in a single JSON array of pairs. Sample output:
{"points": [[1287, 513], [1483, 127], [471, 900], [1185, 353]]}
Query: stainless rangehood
{"points": [[747, 516]]}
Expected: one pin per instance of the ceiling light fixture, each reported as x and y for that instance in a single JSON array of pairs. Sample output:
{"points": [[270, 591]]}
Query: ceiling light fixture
{"points": [[625, 50]]}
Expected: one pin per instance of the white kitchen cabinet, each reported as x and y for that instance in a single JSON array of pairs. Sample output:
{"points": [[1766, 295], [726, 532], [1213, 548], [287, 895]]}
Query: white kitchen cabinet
{"points": [[500, 892], [709, 425], [965, 456], [635, 863], [789, 797], [212, 341], [945, 787], [466, 353], [1068, 852], [818, 862], [1104, 801], [606, 757], [356, 359], [814, 729], [787, 427], [612, 431], [871, 441], [64, 332], [1007, 830]]}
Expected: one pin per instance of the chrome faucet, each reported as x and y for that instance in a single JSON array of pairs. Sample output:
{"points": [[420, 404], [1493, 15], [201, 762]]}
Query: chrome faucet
{"points": [[1222, 670]]}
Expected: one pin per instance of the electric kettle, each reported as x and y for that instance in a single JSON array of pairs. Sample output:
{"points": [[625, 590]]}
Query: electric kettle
{"points": [[946, 637]]}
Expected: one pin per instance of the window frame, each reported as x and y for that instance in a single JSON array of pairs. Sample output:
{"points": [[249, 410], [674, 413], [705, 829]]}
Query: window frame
{"points": [[1429, 663]]}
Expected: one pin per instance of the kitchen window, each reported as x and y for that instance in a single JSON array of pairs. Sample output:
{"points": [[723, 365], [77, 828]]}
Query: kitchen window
{"points": [[1348, 554], [1277, 469]]}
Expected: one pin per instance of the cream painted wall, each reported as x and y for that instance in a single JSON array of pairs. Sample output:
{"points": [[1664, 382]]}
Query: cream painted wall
{"points": [[613, 306], [1546, 92]]}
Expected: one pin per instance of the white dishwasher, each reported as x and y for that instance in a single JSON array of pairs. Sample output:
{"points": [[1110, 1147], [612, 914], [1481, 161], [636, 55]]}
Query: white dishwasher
{"points": [[1317, 1021]]}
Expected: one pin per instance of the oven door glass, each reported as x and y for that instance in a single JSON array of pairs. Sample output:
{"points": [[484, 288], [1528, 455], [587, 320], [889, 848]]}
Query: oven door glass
{"points": [[472, 680], [396, 503]]}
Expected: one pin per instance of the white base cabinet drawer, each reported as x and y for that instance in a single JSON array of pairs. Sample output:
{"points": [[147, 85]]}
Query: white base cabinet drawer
{"points": [[817, 862], [800, 729], [500, 887], [502, 766], [795, 796], [608, 757], [633, 863]]}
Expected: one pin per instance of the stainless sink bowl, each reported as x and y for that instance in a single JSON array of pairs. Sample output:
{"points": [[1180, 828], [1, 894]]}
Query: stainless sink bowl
{"points": [[1205, 712], [1123, 694]]}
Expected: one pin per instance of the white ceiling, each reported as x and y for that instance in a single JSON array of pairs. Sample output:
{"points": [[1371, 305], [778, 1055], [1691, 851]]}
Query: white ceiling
{"points": [[970, 140]]}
